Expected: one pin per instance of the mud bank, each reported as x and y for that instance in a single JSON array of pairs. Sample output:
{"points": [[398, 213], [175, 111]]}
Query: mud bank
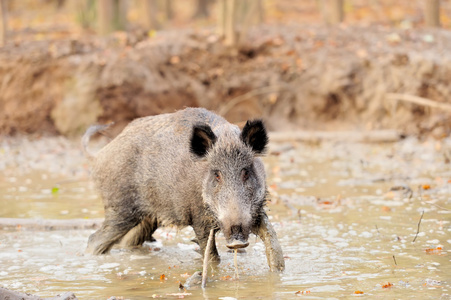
{"points": [[295, 77]]}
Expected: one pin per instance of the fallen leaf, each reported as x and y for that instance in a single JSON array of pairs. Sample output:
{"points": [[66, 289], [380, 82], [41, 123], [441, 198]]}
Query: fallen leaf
{"points": [[386, 208], [174, 60], [302, 292], [152, 33], [326, 203], [299, 63], [387, 285], [437, 250], [358, 292]]}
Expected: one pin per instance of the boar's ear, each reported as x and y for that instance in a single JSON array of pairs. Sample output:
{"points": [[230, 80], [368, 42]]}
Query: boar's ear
{"points": [[202, 139], [254, 135]]}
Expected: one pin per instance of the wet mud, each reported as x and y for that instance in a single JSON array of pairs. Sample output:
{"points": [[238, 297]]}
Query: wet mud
{"points": [[346, 215]]}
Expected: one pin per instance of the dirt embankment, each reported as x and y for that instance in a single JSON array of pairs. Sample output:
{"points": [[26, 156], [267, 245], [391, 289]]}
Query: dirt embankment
{"points": [[296, 77]]}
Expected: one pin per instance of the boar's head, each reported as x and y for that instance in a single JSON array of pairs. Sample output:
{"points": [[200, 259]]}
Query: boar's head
{"points": [[234, 188]]}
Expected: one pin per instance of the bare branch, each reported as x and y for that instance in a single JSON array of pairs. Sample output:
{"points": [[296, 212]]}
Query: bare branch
{"points": [[207, 257], [418, 229], [419, 100]]}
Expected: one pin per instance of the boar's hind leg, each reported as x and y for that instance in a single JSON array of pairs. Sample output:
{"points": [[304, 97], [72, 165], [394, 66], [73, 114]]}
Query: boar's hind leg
{"points": [[112, 231], [202, 234], [141, 233], [274, 252]]}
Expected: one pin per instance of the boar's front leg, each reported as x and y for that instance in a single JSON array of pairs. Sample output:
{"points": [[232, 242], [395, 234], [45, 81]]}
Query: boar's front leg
{"points": [[202, 234], [274, 252]]}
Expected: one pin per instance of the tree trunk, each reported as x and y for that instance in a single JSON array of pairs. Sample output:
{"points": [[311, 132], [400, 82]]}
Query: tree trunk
{"points": [[432, 13], [3, 25], [111, 15], [86, 13], [150, 14], [235, 18], [169, 11], [202, 9], [104, 16], [249, 13], [120, 14], [332, 11], [221, 17], [261, 11], [230, 34]]}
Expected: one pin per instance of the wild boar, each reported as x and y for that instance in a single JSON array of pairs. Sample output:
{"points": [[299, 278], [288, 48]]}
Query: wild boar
{"points": [[188, 168]]}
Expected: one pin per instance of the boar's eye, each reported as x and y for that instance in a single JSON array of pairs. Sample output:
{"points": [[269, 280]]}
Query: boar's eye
{"points": [[218, 176], [244, 175]]}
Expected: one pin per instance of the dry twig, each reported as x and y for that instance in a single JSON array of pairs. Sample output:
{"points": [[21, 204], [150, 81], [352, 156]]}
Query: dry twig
{"points": [[207, 257], [236, 264], [418, 229], [419, 101]]}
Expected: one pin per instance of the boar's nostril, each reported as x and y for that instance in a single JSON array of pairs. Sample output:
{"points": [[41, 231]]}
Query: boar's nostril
{"points": [[237, 238], [236, 229]]}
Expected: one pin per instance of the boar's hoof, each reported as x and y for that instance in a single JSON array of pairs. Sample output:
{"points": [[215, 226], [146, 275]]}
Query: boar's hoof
{"points": [[236, 244]]}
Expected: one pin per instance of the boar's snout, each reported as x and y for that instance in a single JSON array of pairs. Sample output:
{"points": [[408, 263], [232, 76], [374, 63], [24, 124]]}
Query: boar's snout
{"points": [[236, 244], [237, 238]]}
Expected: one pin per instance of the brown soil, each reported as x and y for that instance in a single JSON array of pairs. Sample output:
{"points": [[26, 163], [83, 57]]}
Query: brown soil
{"points": [[295, 77]]}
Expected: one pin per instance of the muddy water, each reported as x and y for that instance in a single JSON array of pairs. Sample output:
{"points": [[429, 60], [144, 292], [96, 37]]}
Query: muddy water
{"points": [[341, 228]]}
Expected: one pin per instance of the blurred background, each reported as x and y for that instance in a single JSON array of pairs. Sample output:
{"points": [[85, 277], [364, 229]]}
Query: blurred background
{"points": [[301, 65], [326, 74]]}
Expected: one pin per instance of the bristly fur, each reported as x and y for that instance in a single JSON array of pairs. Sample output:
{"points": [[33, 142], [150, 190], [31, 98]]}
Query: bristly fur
{"points": [[188, 168], [261, 209], [210, 217], [254, 135]]}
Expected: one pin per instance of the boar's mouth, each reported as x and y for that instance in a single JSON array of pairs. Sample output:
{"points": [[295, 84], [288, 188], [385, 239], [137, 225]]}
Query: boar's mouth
{"points": [[237, 244]]}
